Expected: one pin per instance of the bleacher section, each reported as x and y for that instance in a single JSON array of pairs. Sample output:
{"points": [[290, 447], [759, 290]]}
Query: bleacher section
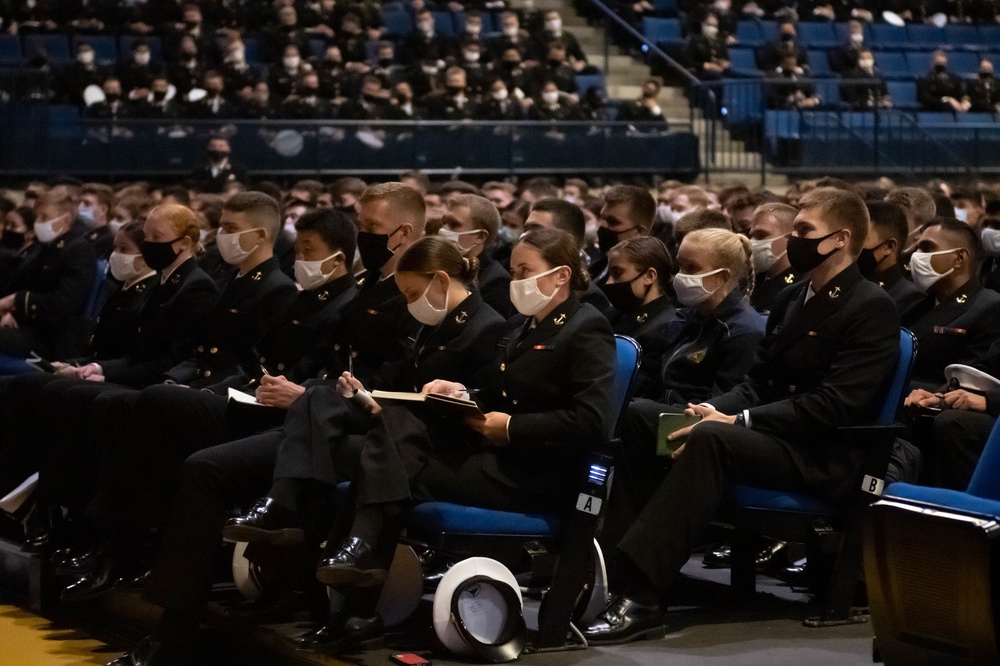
{"points": [[834, 136]]}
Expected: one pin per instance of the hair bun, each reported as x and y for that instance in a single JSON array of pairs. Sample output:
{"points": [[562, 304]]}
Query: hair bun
{"points": [[471, 268]]}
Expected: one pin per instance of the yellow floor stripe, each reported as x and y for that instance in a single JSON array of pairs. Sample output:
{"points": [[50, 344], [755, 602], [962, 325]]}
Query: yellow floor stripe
{"points": [[29, 640]]}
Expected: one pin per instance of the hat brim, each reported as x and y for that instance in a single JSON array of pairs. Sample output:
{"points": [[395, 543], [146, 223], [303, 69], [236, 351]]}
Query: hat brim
{"points": [[447, 631]]}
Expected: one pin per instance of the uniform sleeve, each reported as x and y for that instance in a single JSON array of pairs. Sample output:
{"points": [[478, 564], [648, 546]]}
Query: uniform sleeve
{"points": [[77, 268], [589, 380], [735, 359]]}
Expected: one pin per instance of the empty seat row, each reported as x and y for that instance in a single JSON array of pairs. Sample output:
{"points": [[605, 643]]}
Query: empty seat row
{"points": [[892, 64]]}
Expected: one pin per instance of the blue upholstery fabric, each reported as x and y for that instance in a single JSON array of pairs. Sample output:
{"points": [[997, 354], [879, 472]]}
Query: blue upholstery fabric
{"points": [[944, 498], [458, 519], [748, 497], [984, 479], [94, 300], [12, 366]]}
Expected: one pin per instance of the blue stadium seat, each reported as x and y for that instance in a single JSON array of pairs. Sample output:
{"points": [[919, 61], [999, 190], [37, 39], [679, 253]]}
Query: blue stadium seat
{"points": [[744, 62], [828, 91], [884, 35], [105, 47], [931, 558], [55, 45], [957, 35], [749, 33], [397, 24], [925, 36], [93, 307], [964, 63], [769, 31], [919, 62], [819, 64], [443, 24], [10, 50], [127, 43], [254, 50], [793, 516], [893, 64], [586, 81], [989, 35], [662, 30], [927, 119], [903, 94], [665, 6], [976, 118], [317, 45], [817, 35]]}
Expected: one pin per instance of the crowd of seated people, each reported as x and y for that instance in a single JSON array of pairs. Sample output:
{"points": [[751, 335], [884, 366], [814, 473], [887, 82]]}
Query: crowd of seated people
{"points": [[322, 60], [308, 297]]}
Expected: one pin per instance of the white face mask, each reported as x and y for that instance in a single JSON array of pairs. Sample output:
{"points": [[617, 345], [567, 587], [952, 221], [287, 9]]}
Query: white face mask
{"points": [[526, 296], [550, 97], [962, 215], [427, 27], [471, 56], [500, 95], [115, 226], [866, 63], [429, 70], [236, 56], [510, 32], [142, 58], [290, 228], [690, 289], [666, 213], [991, 241], [474, 29], [85, 57], [310, 275], [857, 38], [291, 62], [231, 250], [922, 271], [123, 268], [45, 231], [422, 310], [710, 31], [555, 25], [763, 256], [455, 237]]}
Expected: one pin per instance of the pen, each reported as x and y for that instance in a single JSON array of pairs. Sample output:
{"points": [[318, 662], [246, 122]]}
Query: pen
{"points": [[350, 361], [264, 370]]}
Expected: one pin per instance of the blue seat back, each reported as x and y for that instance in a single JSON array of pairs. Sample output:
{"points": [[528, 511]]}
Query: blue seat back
{"points": [[964, 63], [659, 30], [443, 24], [900, 379], [397, 24], [883, 34], [748, 33], [94, 299], [10, 50], [961, 35], [105, 47], [903, 94], [925, 35], [817, 35], [893, 64], [984, 479], [586, 81], [628, 355], [743, 60], [819, 63], [56, 46]]}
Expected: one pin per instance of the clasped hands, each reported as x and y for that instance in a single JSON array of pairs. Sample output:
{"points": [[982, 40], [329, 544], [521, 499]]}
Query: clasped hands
{"points": [[956, 399], [707, 413]]}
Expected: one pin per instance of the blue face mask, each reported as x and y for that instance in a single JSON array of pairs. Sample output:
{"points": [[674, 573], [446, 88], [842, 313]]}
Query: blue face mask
{"points": [[508, 234], [85, 215]]}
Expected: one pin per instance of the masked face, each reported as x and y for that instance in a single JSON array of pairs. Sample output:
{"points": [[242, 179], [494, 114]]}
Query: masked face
{"points": [[141, 58], [310, 275], [922, 269], [85, 57], [47, 231], [804, 254], [159, 256], [374, 249], [550, 97], [291, 62], [691, 290], [527, 297], [709, 30], [424, 311], [231, 247], [126, 267], [764, 257], [991, 241], [622, 294]]}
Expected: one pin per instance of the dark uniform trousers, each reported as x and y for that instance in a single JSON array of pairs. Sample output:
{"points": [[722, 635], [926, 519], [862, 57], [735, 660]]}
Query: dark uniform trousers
{"points": [[953, 452], [824, 364]]}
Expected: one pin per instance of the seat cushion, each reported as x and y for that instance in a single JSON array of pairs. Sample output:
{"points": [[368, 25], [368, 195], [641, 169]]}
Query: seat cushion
{"points": [[944, 499], [748, 497], [439, 517]]}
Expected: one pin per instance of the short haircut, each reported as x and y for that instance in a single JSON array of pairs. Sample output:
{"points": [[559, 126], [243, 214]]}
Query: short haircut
{"points": [[484, 214], [565, 216], [638, 200], [890, 221], [580, 183], [179, 193], [782, 214], [261, 211], [458, 186], [499, 185], [270, 188], [348, 185], [919, 203], [541, 188], [105, 195], [336, 229], [967, 236], [753, 199], [405, 201], [700, 219], [419, 177], [842, 209]]}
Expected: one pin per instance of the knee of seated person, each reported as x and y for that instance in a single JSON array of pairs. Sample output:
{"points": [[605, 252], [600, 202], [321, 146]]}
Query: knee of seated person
{"points": [[950, 419], [706, 435]]}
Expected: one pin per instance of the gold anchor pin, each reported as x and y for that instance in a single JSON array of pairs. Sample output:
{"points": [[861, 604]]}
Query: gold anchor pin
{"points": [[789, 278], [461, 317], [323, 295], [641, 318], [560, 320], [256, 276], [835, 292], [962, 299]]}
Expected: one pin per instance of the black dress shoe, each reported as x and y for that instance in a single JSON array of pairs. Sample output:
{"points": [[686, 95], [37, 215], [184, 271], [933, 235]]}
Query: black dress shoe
{"points": [[718, 558], [148, 652], [329, 633], [267, 522], [79, 565], [354, 564], [624, 621], [104, 577]]}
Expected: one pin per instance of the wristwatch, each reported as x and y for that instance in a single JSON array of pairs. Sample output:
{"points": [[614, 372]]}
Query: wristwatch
{"points": [[741, 420]]}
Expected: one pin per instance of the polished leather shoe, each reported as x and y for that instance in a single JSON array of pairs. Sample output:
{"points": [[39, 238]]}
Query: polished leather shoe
{"points": [[722, 557], [78, 565], [624, 621], [354, 564], [329, 633], [148, 652], [104, 577], [266, 522]]}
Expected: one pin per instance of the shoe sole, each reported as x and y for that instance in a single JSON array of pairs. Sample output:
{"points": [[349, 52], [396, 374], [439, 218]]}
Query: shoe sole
{"points": [[343, 576], [287, 536], [654, 633]]}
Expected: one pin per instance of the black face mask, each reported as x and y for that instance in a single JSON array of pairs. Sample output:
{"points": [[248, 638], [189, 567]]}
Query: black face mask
{"points": [[940, 68], [787, 37], [606, 239], [159, 95], [622, 298], [986, 76], [217, 155], [803, 253], [12, 239], [384, 62], [112, 97], [159, 256], [374, 249], [867, 263], [456, 90]]}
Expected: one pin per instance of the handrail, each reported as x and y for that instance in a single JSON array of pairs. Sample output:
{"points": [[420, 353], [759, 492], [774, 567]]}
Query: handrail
{"points": [[650, 46]]}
